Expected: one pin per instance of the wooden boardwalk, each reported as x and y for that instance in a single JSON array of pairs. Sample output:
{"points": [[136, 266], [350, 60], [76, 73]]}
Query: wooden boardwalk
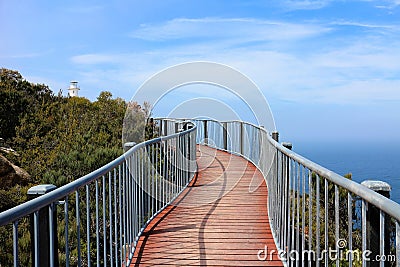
{"points": [[219, 220]]}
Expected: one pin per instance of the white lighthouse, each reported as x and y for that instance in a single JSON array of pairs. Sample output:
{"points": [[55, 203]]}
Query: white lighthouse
{"points": [[73, 89]]}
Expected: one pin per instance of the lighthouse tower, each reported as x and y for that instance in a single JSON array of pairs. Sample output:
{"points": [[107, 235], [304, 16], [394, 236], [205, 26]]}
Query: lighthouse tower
{"points": [[73, 89]]}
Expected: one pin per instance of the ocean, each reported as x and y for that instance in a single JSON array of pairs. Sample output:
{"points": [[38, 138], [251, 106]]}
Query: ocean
{"points": [[365, 161]]}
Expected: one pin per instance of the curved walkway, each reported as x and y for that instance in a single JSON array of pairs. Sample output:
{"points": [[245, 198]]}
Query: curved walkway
{"points": [[219, 220]]}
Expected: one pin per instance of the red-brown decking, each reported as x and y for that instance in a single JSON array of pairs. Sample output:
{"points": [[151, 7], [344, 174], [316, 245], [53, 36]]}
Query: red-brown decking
{"points": [[217, 220]]}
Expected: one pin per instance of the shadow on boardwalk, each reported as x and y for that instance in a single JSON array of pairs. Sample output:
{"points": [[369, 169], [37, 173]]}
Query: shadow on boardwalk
{"points": [[215, 222]]}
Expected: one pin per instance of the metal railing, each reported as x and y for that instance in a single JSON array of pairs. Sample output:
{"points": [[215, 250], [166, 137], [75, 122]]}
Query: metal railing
{"points": [[313, 211], [318, 218], [102, 215]]}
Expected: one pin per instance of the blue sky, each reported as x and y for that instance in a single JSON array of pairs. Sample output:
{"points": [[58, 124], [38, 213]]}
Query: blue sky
{"points": [[329, 69]]}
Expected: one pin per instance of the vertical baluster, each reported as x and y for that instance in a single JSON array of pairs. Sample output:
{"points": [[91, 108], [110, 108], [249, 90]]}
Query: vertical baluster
{"points": [[110, 216], [129, 206], [278, 178], [364, 207], [124, 200], [148, 181], [137, 192], [141, 202], [278, 203], [298, 213], [187, 155], [310, 213], [162, 167], [97, 225], [350, 226], [382, 236], [15, 244], [179, 159], [153, 189], [165, 174], [88, 225], [284, 200], [181, 156], [120, 214], [170, 166], [317, 220], [176, 178], [303, 215], [133, 200], [78, 227], [115, 217], [157, 177], [397, 243], [36, 236], [52, 207], [288, 206], [66, 218], [337, 221], [177, 162], [326, 223], [175, 175], [293, 172], [104, 223], [135, 228]]}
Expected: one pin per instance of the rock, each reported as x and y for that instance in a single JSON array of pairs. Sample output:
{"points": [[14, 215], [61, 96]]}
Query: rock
{"points": [[5, 166], [11, 174]]}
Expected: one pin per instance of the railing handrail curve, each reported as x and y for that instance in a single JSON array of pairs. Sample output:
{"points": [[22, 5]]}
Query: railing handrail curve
{"points": [[385, 204], [35, 204]]}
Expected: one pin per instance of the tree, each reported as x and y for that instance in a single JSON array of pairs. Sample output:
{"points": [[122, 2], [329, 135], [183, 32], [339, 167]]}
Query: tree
{"points": [[58, 139], [18, 97]]}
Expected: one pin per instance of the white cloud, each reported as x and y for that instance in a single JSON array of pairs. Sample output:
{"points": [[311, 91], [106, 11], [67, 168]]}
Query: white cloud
{"points": [[360, 54], [366, 25], [280, 75], [97, 58], [305, 4], [365, 64], [245, 29], [387, 4], [361, 92]]}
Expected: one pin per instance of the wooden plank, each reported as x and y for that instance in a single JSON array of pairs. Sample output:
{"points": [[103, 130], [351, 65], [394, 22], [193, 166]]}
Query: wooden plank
{"points": [[217, 220]]}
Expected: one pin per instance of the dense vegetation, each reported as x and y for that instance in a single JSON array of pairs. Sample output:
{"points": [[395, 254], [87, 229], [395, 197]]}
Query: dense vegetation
{"points": [[58, 139]]}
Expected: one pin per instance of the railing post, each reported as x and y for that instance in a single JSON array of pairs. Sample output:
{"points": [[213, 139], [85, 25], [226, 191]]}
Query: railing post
{"points": [[45, 229], [225, 134], [241, 138], [205, 132], [287, 145], [160, 127], [177, 127], [128, 146], [378, 241], [165, 127], [275, 136]]}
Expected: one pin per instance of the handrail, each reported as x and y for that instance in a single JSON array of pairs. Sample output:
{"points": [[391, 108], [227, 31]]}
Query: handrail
{"points": [[311, 208], [387, 205], [122, 197], [30, 206]]}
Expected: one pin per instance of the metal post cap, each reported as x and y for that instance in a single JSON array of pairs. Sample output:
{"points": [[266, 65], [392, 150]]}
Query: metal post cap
{"points": [[288, 145], [129, 144], [41, 189], [377, 185]]}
